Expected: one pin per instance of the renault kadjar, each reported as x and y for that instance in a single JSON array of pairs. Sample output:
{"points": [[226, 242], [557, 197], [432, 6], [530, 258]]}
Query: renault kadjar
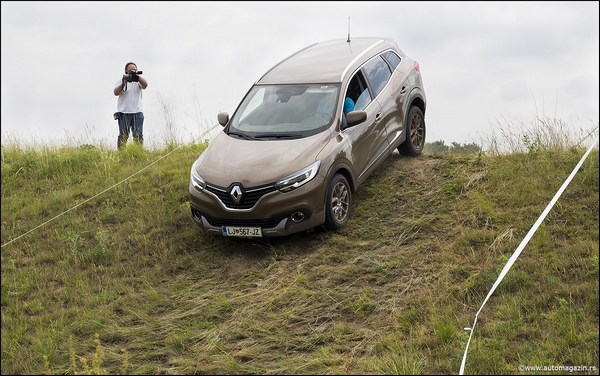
{"points": [[305, 136]]}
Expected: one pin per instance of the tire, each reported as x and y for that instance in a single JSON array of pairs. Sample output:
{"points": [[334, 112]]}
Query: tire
{"points": [[337, 203], [415, 133]]}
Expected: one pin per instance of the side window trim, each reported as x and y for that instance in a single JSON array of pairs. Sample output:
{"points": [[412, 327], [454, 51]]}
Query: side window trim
{"points": [[388, 60]]}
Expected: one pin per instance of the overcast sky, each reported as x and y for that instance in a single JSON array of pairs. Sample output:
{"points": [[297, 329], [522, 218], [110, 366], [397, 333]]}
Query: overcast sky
{"points": [[483, 63]]}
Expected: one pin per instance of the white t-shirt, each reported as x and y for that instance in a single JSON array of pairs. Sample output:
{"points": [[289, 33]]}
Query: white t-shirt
{"points": [[130, 100]]}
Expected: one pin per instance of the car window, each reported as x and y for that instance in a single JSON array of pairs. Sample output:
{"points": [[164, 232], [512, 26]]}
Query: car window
{"points": [[378, 73], [283, 110], [392, 58], [358, 91], [255, 100], [363, 100]]}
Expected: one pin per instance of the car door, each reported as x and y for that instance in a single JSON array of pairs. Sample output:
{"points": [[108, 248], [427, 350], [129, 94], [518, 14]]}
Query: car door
{"points": [[369, 136], [392, 98]]}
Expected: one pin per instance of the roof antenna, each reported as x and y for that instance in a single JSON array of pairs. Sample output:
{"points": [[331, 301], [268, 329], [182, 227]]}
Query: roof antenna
{"points": [[348, 30]]}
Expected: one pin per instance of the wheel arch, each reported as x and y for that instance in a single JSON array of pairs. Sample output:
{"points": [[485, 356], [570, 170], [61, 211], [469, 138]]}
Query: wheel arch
{"points": [[346, 172], [419, 102]]}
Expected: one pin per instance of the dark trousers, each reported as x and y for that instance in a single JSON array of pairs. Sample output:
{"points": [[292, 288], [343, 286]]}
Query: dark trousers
{"points": [[133, 123]]}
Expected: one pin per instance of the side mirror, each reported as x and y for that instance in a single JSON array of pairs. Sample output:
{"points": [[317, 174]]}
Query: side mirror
{"points": [[223, 118], [355, 117]]}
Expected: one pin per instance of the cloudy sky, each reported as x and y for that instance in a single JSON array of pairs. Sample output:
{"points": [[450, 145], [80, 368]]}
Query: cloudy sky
{"points": [[484, 64]]}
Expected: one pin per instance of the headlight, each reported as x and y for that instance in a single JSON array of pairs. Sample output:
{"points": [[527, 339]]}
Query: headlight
{"points": [[197, 180], [298, 179]]}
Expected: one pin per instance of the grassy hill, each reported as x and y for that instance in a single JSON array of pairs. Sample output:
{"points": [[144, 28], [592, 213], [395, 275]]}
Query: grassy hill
{"points": [[116, 278]]}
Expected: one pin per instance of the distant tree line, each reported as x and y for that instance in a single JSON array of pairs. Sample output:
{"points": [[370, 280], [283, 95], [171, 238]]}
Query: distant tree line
{"points": [[440, 147]]}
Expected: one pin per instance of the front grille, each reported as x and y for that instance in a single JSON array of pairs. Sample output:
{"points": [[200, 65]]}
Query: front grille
{"points": [[217, 222], [249, 199]]}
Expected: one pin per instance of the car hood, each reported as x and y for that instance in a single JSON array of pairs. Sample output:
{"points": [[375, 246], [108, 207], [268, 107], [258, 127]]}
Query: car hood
{"points": [[227, 159]]}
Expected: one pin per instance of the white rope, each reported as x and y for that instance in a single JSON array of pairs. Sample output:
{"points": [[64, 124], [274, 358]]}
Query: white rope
{"points": [[106, 190], [517, 252]]}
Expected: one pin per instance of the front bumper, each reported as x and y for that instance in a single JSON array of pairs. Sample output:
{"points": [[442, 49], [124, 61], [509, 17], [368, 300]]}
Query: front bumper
{"points": [[276, 213]]}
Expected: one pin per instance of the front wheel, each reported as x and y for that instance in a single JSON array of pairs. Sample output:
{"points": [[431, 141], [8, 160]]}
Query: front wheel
{"points": [[337, 203], [415, 133]]}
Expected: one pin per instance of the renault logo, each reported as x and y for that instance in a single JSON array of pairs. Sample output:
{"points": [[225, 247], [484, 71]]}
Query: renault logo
{"points": [[236, 194]]}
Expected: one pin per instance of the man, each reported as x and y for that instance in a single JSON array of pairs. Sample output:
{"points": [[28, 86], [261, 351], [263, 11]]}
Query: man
{"points": [[129, 105]]}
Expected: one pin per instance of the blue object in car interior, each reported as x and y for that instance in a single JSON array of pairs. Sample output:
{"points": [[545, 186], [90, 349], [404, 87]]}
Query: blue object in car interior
{"points": [[348, 105]]}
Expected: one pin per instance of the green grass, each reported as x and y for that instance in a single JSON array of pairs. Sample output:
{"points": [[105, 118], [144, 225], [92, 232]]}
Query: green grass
{"points": [[126, 283]]}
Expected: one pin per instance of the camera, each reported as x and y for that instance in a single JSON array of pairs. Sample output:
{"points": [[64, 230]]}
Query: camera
{"points": [[133, 76]]}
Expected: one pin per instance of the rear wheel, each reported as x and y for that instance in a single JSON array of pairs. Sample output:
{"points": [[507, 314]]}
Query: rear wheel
{"points": [[337, 203], [415, 133]]}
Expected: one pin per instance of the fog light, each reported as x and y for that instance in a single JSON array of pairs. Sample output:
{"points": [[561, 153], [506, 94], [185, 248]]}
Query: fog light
{"points": [[297, 217]]}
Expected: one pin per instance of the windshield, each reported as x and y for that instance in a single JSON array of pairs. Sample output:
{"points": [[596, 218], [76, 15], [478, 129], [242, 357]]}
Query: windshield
{"points": [[285, 111]]}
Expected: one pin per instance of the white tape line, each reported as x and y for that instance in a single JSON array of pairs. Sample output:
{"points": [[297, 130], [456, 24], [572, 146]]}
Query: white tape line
{"points": [[516, 254]]}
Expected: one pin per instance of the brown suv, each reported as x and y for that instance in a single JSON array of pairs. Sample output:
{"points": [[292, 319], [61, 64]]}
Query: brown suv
{"points": [[304, 137]]}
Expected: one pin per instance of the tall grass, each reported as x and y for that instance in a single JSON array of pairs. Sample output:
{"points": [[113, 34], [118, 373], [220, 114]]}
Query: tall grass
{"points": [[125, 283], [541, 134]]}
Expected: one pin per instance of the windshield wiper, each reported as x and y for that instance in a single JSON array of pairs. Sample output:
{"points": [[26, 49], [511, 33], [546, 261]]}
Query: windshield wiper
{"points": [[278, 135], [240, 135]]}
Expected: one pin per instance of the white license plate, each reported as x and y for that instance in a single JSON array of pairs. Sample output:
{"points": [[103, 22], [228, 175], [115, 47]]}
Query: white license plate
{"points": [[252, 232]]}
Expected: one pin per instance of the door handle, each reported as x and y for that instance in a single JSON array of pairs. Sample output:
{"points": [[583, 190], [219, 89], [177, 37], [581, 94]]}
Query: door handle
{"points": [[403, 90], [377, 117]]}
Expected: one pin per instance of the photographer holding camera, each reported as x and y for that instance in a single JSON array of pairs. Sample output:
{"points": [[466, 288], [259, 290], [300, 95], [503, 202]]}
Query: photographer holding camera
{"points": [[129, 105]]}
